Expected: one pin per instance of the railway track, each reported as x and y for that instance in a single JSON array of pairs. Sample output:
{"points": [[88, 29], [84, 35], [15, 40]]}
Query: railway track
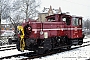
{"points": [[32, 55], [58, 51], [7, 47]]}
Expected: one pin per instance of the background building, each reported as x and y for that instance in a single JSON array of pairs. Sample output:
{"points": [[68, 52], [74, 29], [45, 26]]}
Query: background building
{"points": [[50, 11], [41, 17], [6, 26]]}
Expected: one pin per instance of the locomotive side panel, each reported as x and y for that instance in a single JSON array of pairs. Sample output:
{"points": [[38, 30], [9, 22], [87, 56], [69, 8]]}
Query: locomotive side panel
{"points": [[76, 32], [68, 31], [76, 28], [54, 29]]}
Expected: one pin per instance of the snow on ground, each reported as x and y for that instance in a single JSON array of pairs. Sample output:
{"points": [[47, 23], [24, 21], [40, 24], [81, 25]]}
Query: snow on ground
{"points": [[8, 45], [82, 53], [11, 52], [76, 54]]}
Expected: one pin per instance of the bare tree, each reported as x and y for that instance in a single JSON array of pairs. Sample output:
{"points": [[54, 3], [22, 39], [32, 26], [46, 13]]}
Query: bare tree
{"points": [[15, 23], [23, 9], [26, 8], [87, 24], [4, 10]]}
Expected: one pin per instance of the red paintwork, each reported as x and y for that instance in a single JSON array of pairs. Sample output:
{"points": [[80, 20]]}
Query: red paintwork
{"points": [[54, 28]]}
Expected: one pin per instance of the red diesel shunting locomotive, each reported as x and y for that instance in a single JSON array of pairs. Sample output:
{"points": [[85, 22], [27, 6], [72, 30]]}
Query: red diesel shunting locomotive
{"points": [[59, 30]]}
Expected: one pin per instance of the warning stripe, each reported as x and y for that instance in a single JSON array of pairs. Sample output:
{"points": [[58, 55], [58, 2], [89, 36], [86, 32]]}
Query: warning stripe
{"points": [[58, 29]]}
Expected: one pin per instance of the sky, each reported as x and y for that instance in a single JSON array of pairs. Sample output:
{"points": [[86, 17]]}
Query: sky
{"points": [[75, 7]]}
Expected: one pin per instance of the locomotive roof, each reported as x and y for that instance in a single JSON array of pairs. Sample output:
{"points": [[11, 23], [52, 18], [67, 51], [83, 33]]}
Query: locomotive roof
{"points": [[63, 14], [76, 16], [57, 14]]}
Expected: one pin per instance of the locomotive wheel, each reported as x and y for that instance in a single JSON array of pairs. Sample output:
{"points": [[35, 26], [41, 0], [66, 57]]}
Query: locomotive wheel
{"points": [[45, 47], [47, 44], [40, 51], [69, 47], [68, 43], [64, 41]]}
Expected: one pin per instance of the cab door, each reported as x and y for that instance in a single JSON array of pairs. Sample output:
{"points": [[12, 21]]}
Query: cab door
{"points": [[67, 29], [76, 31]]}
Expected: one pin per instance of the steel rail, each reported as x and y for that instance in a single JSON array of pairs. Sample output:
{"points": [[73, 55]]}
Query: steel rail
{"points": [[32, 55], [58, 51]]}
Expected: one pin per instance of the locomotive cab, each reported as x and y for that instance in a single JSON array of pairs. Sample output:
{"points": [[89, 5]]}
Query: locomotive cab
{"points": [[76, 32], [73, 29]]}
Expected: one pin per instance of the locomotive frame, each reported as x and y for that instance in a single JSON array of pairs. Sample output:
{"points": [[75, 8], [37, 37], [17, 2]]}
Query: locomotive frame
{"points": [[59, 30]]}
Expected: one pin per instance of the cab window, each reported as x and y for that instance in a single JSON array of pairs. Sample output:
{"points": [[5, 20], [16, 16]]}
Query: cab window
{"points": [[51, 19], [80, 22], [67, 20], [75, 21]]}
